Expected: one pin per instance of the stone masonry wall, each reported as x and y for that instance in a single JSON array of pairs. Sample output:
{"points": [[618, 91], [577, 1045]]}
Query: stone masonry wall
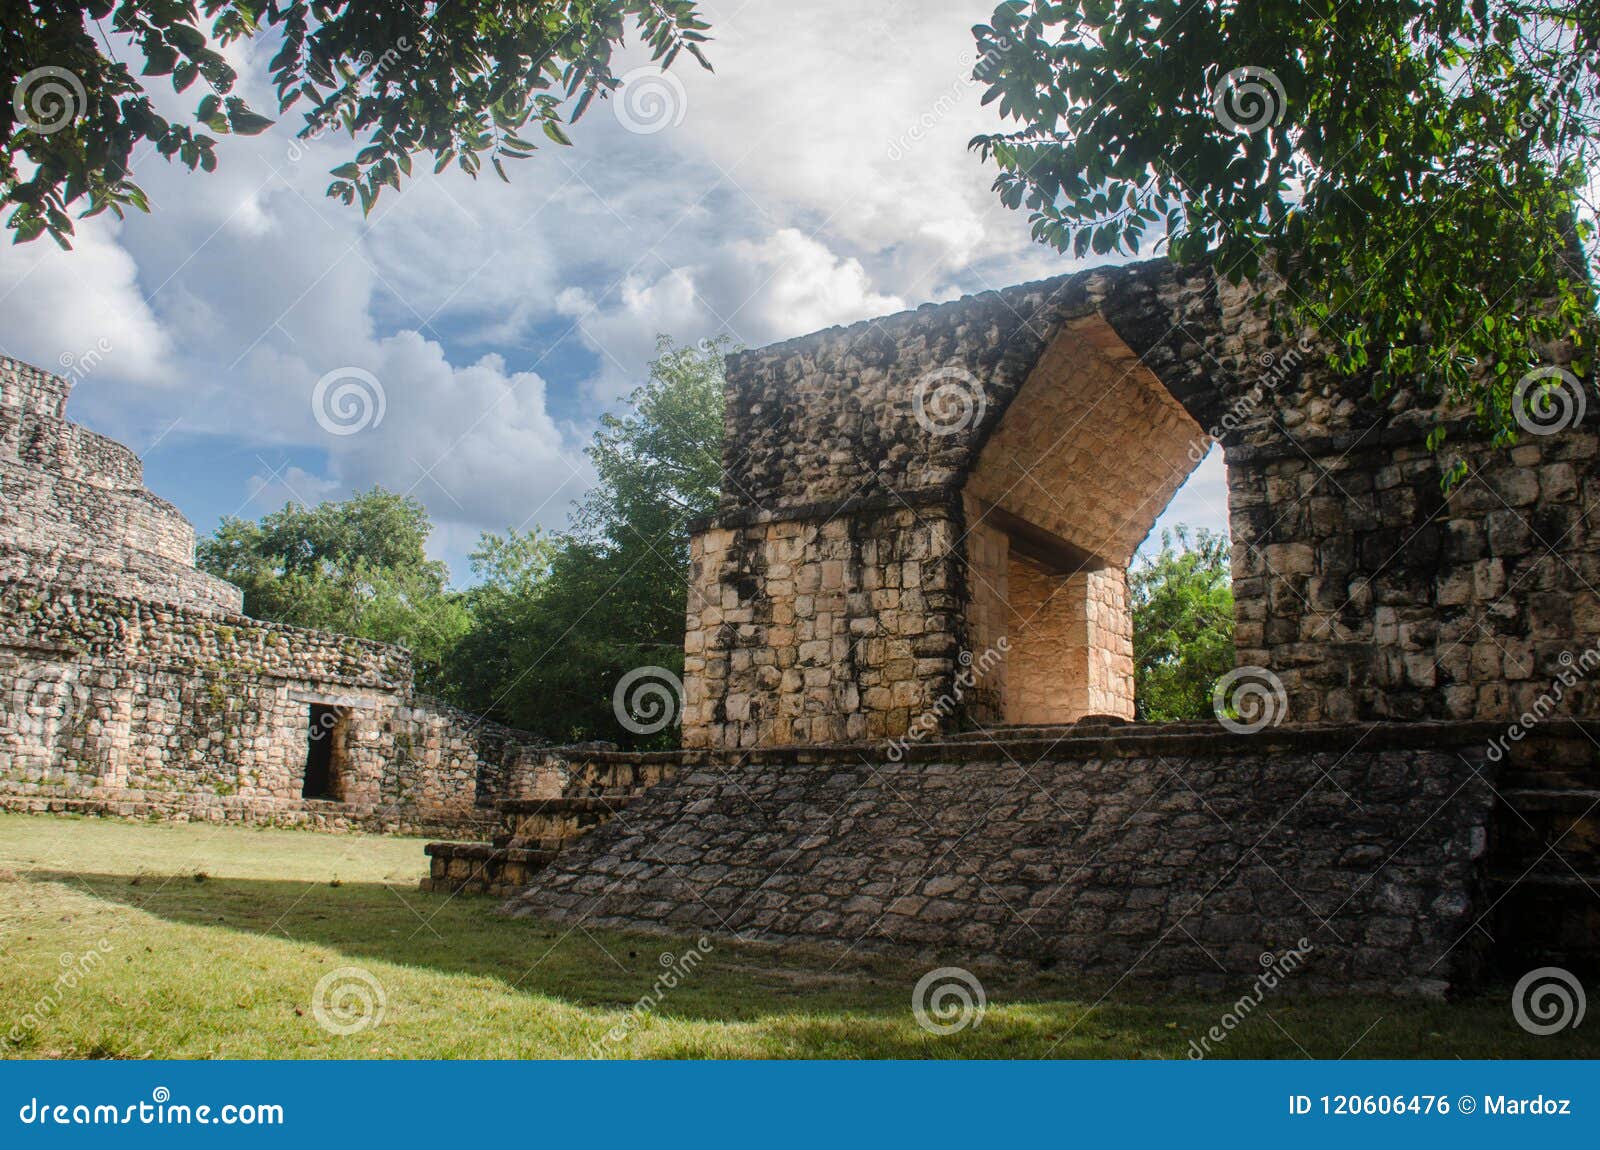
{"points": [[818, 630], [114, 706], [1169, 853], [1364, 589]]}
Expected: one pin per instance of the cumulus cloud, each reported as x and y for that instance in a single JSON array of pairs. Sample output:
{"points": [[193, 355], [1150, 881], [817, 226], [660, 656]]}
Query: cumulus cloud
{"points": [[819, 177]]}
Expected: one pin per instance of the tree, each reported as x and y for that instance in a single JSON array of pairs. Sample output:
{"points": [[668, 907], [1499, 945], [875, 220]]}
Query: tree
{"points": [[1419, 173], [549, 646], [359, 568], [1182, 626], [456, 80]]}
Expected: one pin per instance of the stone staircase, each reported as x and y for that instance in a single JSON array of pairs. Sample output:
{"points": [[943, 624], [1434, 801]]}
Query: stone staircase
{"points": [[565, 804], [1545, 861]]}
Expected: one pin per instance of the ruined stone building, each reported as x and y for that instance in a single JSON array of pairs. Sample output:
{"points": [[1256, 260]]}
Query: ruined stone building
{"points": [[131, 684], [908, 671], [1412, 795]]}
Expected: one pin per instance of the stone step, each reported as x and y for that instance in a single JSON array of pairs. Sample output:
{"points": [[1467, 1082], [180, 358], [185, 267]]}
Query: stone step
{"points": [[480, 868], [580, 804], [1529, 822], [1547, 920]]}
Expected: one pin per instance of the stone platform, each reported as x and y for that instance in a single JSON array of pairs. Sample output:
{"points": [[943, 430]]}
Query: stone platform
{"points": [[1405, 856]]}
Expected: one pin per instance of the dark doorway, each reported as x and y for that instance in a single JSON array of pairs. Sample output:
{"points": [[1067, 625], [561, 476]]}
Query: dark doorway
{"points": [[323, 735]]}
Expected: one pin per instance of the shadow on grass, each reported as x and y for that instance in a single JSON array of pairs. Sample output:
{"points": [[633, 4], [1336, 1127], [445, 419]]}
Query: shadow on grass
{"points": [[798, 1001]]}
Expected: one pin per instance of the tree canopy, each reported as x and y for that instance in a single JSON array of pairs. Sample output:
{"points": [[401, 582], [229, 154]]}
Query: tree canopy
{"points": [[1182, 600], [457, 81], [359, 567], [1419, 173], [557, 623]]}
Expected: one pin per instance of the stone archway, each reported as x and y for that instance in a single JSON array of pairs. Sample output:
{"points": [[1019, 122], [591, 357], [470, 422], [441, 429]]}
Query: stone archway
{"points": [[1067, 484]]}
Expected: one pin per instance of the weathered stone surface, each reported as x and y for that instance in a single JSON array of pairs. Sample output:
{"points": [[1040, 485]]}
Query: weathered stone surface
{"points": [[130, 685], [906, 490], [1172, 853]]}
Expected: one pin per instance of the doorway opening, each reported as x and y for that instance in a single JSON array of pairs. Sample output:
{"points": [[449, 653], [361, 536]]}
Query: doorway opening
{"points": [[325, 753]]}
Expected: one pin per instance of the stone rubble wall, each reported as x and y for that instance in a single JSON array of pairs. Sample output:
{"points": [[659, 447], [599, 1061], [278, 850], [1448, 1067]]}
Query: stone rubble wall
{"points": [[1166, 853]]}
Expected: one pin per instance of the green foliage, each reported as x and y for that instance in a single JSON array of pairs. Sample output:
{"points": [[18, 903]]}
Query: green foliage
{"points": [[359, 568], [1422, 183], [1182, 626], [557, 623], [455, 80]]}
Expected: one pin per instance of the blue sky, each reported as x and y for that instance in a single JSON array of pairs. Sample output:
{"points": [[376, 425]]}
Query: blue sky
{"points": [[820, 176]]}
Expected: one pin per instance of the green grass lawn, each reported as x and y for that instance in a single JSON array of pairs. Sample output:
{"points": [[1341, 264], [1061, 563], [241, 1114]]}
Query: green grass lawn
{"points": [[209, 942]]}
